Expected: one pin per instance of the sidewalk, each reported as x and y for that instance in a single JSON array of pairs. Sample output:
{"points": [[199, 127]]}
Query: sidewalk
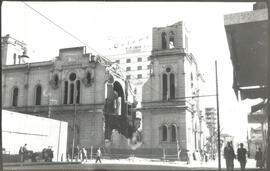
{"points": [[251, 163]]}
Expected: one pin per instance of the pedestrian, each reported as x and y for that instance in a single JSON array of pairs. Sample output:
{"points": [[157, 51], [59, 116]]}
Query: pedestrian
{"points": [[98, 155], [50, 153], [21, 154], [178, 153], [187, 156], [241, 155], [25, 152], [76, 153], [258, 158], [229, 156], [84, 154]]}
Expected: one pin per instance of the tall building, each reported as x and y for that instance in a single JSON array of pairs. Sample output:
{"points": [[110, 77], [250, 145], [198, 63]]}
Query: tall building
{"points": [[170, 116], [132, 54]]}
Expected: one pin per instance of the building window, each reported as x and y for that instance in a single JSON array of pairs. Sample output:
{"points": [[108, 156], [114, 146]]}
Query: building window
{"points": [[171, 40], [163, 40], [139, 59], [173, 133], [172, 87], [128, 69], [164, 133], [117, 61], [77, 94], [38, 95], [72, 90], [15, 96], [168, 85], [139, 68], [88, 77], [71, 93], [164, 85], [66, 92], [128, 60], [139, 76], [128, 76], [148, 66]]}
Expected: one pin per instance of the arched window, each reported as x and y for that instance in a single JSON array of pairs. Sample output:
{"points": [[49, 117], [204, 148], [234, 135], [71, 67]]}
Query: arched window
{"points": [[38, 95], [168, 85], [163, 40], [164, 133], [15, 96], [88, 77], [172, 88], [173, 133], [164, 85], [171, 40], [72, 89], [71, 93], [66, 92], [78, 86]]}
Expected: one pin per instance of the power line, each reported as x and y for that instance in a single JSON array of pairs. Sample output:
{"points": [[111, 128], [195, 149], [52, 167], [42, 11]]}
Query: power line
{"points": [[57, 25], [101, 56]]}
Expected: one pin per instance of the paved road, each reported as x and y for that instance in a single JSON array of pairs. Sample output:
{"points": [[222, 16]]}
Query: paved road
{"points": [[124, 164], [108, 167]]}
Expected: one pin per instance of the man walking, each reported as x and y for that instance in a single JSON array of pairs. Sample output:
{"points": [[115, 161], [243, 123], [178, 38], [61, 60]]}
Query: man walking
{"points": [[98, 155], [24, 152], [241, 155], [258, 158], [229, 156]]}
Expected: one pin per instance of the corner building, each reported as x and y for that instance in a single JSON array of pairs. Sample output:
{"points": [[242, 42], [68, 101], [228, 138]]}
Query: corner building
{"points": [[171, 119]]}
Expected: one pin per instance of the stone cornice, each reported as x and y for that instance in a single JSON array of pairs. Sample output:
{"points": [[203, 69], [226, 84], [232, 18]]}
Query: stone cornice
{"points": [[68, 107], [27, 66], [168, 52]]}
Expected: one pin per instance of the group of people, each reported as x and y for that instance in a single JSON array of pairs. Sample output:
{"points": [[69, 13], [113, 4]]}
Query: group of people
{"points": [[201, 155], [47, 154], [78, 154], [81, 154], [229, 156]]}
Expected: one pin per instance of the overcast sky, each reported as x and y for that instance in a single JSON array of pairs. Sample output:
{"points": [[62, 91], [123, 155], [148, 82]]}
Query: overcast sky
{"points": [[95, 22]]}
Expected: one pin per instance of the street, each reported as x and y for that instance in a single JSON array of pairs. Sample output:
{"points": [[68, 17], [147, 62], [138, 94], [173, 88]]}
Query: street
{"points": [[128, 164]]}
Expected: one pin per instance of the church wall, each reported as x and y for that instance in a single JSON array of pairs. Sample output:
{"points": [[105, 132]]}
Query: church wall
{"points": [[154, 119]]}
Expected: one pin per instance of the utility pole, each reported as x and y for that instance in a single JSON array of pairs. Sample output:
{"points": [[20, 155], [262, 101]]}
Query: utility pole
{"points": [[74, 124], [219, 157]]}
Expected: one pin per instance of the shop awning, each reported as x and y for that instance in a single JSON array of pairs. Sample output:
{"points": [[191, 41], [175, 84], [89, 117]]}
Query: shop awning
{"points": [[248, 43]]}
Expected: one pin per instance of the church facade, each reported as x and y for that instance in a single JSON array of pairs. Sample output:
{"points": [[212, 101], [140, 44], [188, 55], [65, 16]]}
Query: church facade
{"points": [[76, 87]]}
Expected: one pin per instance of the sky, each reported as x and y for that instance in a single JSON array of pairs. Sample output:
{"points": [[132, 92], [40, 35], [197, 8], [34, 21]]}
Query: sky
{"points": [[96, 22]]}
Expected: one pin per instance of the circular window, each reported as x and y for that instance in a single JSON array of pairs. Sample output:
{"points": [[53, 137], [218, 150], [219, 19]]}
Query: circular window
{"points": [[168, 69], [72, 76]]}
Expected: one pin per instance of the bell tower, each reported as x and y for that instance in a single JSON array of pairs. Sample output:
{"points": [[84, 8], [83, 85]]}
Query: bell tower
{"points": [[169, 118], [171, 37]]}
